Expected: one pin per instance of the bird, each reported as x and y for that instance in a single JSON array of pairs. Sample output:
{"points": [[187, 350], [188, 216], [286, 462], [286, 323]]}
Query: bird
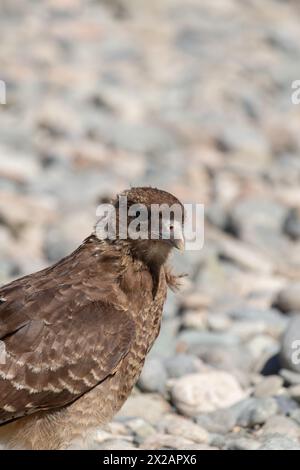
{"points": [[74, 336]]}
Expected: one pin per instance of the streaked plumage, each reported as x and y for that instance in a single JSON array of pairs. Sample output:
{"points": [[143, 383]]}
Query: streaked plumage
{"points": [[76, 336]]}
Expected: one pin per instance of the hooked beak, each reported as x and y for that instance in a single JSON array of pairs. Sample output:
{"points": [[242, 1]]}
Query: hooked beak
{"points": [[179, 244], [178, 240], [176, 237]]}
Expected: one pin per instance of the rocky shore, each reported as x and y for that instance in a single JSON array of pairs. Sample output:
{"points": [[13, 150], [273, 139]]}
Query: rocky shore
{"points": [[193, 97]]}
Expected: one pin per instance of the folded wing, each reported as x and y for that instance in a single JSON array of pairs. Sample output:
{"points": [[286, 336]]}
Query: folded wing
{"points": [[56, 344]]}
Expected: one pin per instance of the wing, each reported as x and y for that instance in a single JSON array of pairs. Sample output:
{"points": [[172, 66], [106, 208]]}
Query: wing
{"points": [[55, 345]]}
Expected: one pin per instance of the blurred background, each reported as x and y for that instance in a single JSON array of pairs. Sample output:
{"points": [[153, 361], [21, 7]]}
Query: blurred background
{"points": [[192, 96]]}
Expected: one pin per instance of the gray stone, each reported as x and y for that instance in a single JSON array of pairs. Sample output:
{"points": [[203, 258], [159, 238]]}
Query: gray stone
{"points": [[295, 415], [286, 404], [199, 447], [284, 41], [219, 440], [179, 426], [292, 224], [281, 425], [183, 364], [260, 222], [190, 40], [8, 269], [226, 358], [290, 345], [219, 421], [290, 377], [153, 377], [294, 392], [115, 444], [256, 213], [247, 139], [219, 322], [138, 138], [268, 386], [221, 350], [167, 441], [278, 442], [253, 411], [272, 318], [166, 341], [206, 338], [217, 216], [288, 299], [141, 429], [149, 406], [242, 443], [171, 305]]}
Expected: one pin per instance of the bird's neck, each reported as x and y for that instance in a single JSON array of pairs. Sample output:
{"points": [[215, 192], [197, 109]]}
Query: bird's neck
{"points": [[153, 254]]}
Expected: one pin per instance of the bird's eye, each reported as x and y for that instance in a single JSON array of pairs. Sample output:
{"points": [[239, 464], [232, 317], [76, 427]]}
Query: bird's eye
{"points": [[138, 213]]}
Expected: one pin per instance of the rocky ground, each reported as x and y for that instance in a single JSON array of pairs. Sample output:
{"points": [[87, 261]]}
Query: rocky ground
{"points": [[193, 97]]}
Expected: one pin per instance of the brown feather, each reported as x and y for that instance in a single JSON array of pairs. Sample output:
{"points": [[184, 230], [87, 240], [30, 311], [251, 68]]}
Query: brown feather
{"points": [[77, 334]]}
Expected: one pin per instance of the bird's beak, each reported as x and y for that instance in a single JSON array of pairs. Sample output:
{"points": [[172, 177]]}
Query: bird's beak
{"points": [[177, 238], [179, 244]]}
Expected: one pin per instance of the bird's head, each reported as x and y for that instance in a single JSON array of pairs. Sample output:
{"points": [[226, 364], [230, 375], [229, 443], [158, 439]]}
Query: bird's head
{"points": [[150, 221]]}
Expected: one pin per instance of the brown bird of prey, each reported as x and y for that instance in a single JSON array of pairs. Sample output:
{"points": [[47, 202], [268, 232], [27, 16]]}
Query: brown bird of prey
{"points": [[74, 337]]}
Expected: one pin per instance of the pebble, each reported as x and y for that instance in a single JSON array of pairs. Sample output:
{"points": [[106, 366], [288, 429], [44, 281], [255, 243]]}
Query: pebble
{"points": [[268, 387], [279, 442], [150, 407], [179, 426], [141, 429], [166, 341], [218, 322], [242, 443], [203, 392], [290, 346], [195, 301], [281, 425], [166, 441], [115, 444], [272, 318], [292, 223], [145, 138], [253, 213], [182, 364], [253, 411], [262, 348], [286, 404], [290, 377], [220, 421], [288, 299], [294, 392], [76, 130], [295, 415], [153, 377], [230, 358], [192, 338]]}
